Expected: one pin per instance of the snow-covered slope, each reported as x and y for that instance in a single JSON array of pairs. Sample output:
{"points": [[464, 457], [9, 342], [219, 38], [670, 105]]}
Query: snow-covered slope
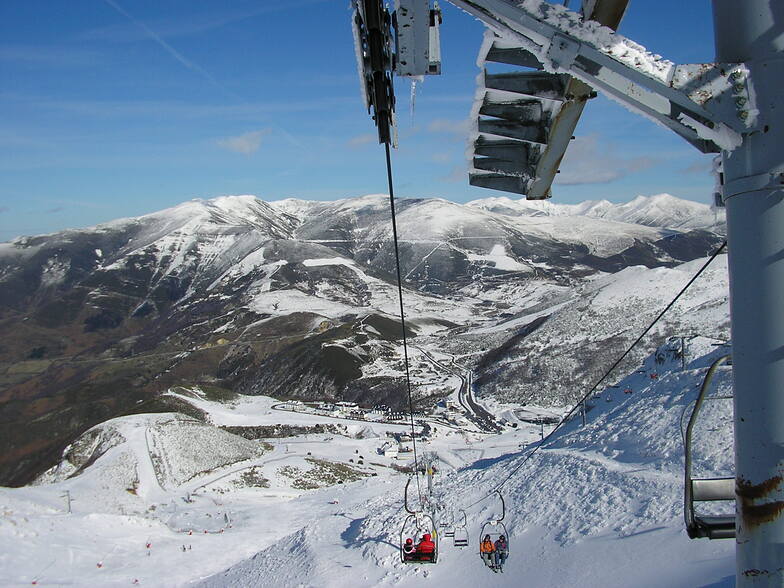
{"points": [[598, 505], [145, 455]]}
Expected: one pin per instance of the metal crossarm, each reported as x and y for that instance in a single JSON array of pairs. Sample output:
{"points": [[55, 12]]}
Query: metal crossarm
{"points": [[709, 105], [560, 98]]}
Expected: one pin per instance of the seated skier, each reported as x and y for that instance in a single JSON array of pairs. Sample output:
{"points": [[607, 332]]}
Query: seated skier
{"points": [[486, 549], [409, 549], [501, 552], [426, 548]]}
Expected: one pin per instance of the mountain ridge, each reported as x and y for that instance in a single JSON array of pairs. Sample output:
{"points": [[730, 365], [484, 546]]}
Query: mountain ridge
{"points": [[96, 321], [659, 210]]}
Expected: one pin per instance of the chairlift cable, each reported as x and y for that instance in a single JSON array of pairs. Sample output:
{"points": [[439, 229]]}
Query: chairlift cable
{"points": [[402, 317], [606, 374]]}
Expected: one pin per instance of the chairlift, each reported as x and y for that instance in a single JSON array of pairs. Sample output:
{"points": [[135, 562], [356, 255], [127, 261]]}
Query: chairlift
{"points": [[417, 525], [495, 529], [447, 523], [460, 536], [706, 489]]}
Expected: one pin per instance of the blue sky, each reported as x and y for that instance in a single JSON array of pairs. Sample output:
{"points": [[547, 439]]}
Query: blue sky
{"points": [[115, 108]]}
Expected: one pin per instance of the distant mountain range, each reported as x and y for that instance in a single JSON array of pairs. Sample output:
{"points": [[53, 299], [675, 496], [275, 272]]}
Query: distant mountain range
{"points": [[661, 210], [298, 299]]}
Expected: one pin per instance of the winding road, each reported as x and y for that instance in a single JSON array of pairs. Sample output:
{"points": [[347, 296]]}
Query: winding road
{"points": [[474, 411], [480, 417]]}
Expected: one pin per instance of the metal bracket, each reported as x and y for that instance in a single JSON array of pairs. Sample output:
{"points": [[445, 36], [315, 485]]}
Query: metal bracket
{"points": [[723, 89], [562, 52]]}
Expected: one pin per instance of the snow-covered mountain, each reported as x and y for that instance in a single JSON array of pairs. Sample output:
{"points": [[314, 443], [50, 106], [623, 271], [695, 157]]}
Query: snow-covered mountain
{"points": [[659, 210], [143, 364], [298, 300]]}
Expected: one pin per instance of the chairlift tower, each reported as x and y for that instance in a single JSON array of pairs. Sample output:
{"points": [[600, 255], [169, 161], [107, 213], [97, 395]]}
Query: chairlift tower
{"points": [[752, 32], [733, 107]]}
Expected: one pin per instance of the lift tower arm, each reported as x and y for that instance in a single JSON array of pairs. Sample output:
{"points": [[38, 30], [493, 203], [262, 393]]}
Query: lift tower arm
{"points": [[710, 105], [522, 132]]}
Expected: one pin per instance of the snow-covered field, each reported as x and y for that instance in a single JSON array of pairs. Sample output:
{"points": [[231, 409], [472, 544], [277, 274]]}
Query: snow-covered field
{"points": [[163, 500]]}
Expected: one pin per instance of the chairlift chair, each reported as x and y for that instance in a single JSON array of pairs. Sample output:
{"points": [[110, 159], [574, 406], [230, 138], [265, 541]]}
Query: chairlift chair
{"points": [[705, 489], [495, 528], [460, 535], [417, 524], [448, 524]]}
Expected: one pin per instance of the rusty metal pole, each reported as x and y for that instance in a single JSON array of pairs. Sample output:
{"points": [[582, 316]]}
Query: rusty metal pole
{"points": [[752, 32]]}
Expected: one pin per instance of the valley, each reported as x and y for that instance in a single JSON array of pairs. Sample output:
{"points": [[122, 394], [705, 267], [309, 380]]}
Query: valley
{"points": [[296, 300]]}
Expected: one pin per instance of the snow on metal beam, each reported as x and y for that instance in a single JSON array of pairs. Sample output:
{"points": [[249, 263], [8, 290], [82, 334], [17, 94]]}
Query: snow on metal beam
{"points": [[536, 84], [565, 98], [504, 183], [624, 70]]}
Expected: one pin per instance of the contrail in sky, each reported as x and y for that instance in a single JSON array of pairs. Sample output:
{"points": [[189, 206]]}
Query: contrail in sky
{"points": [[169, 49]]}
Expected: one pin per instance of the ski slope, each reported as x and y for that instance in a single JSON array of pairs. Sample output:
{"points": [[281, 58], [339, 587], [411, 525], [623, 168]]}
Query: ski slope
{"points": [[598, 505]]}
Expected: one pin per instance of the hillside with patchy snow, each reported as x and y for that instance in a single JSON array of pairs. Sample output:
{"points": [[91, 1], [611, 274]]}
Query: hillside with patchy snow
{"points": [[298, 299], [555, 350]]}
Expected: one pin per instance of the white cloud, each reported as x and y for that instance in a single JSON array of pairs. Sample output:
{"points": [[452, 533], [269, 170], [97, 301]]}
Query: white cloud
{"points": [[701, 166], [457, 174], [246, 144], [589, 162], [360, 140], [444, 125], [56, 56]]}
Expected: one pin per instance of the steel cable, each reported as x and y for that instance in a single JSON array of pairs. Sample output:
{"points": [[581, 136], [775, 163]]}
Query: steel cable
{"points": [[402, 317]]}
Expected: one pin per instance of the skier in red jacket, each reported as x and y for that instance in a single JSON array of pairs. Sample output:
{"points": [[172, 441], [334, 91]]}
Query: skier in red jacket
{"points": [[425, 548]]}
